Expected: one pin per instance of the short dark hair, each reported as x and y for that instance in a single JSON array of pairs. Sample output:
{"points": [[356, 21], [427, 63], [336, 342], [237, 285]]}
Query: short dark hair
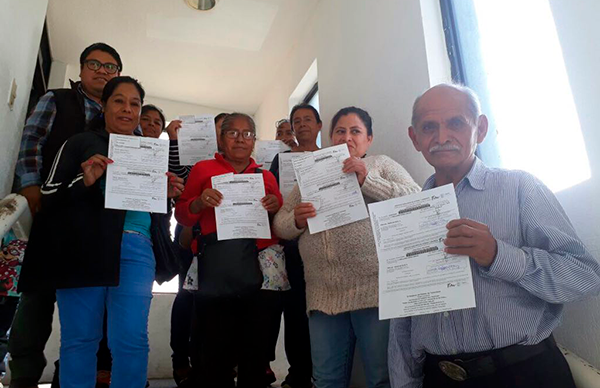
{"points": [[101, 47], [111, 85], [229, 118], [362, 114], [154, 108], [220, 116], [304, 106]]}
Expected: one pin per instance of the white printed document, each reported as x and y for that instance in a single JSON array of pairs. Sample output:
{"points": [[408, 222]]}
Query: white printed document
{"points": [[336, 196], [265, 151], [287, 176], [197, 139], [416, 276], [241, 214], [137, 180]]}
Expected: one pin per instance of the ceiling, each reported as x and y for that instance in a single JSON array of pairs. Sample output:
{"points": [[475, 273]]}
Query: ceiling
{"points": [[224, 58]]}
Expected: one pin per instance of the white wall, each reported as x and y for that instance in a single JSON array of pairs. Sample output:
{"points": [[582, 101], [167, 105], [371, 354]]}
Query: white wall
{"points": [[578, 29], [21, 24], [61, 73], [369, 54], [172, 109]]}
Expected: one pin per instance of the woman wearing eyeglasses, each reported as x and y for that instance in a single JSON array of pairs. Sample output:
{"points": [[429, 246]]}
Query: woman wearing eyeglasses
{"points": [[228, 325]]}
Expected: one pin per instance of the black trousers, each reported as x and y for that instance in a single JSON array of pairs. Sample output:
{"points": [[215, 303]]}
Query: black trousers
{"points": [[181, 328], [8, 306], [546, 370], [182, 311], [297, 337], [272, 303], [229, 330]]}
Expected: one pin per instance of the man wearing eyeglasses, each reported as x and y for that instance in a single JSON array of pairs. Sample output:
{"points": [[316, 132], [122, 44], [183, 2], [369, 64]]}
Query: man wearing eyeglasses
{"points": [[58, 115]]}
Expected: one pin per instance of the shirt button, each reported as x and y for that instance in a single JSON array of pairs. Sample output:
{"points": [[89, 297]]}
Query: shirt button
{"points": [[454, 351], [446, 314]]}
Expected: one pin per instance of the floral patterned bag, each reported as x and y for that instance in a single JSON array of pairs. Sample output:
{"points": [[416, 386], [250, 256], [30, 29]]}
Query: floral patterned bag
{"points": [[272, 265], [11, 258]]}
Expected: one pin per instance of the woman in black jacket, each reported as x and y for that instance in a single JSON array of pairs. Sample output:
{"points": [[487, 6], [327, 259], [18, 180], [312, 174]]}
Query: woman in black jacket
{"points": [[108, 259]]}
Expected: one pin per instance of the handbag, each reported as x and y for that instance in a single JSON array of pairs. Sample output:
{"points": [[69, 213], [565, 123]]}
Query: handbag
{"points": [[168, 263], [227, 268], [272, 266]]}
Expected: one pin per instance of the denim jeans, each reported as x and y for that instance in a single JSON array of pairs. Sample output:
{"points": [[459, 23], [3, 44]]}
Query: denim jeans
{"points": [[81, 312], [333, 339]]}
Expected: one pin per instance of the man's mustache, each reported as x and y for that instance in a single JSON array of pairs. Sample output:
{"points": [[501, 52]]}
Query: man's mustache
{"points": [[445, 147]]}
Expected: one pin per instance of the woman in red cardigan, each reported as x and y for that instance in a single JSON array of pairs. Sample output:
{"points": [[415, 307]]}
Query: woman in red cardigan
{"points": [[229, 327]]}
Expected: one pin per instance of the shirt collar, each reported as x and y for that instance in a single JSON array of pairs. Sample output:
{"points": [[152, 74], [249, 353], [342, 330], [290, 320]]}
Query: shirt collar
{"points": [[84, 94], [251, 166], [475, 177]]}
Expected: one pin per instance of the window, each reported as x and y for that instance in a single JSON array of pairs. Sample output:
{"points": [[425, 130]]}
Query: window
{"points": [[39, 86], [510, 54], [312, 98], [307, 92]]}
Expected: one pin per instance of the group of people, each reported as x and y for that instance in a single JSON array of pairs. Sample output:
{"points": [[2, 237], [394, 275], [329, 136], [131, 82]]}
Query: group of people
{"points": [[99, 264]]}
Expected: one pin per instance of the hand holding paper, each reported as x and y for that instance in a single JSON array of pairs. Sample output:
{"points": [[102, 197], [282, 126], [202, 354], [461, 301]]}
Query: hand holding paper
{"points": [[416, 276], [322, 181], [94, 168], [357, 166], [473, 239], [271, 203], [137, 178], [241, 213], [265, 151], [302, 212], [197, 139]]}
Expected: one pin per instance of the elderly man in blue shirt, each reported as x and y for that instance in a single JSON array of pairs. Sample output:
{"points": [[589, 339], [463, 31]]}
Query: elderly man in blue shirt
{"points": [[525, 257]]}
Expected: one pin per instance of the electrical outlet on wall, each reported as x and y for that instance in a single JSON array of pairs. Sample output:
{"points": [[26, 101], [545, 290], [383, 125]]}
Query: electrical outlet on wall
{"points": [[12, 95]]}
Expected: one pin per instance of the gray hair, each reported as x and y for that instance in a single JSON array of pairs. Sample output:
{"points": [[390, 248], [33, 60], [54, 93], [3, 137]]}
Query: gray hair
{"points": [[473, 104], [228, 120], [279, 123]]}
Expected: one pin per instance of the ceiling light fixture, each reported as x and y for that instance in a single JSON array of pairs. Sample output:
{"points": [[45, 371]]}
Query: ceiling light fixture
{"points": [[201, 5]]}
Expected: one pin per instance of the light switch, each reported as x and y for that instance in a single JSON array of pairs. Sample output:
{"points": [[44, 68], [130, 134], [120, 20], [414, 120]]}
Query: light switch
{"points": [[12, 96]]}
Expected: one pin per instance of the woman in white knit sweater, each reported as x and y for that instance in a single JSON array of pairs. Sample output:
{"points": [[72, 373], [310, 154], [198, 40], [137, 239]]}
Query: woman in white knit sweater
{"points": [[340, 264]]}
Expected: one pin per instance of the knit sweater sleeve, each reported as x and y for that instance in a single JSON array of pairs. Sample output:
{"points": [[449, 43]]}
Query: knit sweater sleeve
{"points": [[284, 223], [387, 179]]}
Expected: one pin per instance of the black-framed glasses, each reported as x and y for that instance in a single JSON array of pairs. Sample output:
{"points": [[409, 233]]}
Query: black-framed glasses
{"points": [[233, 134], [95, 65]]}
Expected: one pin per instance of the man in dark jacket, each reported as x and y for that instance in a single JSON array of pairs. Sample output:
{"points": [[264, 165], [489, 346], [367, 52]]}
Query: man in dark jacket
{"points": [[59, 114]]}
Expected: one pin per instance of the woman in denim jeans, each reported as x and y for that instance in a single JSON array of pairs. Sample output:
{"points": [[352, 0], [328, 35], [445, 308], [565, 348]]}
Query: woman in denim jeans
{"points": [[341, 266], [108, 258]]}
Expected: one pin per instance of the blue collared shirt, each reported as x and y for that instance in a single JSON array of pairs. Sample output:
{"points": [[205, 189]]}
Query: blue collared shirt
{"points": [[540, 264]]}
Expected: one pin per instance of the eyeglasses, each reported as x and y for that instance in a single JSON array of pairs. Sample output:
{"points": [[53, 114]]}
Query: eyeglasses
{"points": [[95, 65], [233, 134]]}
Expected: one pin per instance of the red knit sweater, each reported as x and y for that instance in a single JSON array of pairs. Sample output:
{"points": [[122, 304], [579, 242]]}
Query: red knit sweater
{"points": [[200, 179]]}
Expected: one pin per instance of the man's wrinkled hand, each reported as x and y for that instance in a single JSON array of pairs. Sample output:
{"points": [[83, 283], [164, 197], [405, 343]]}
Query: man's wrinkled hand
{"points": [[473, 239]]}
